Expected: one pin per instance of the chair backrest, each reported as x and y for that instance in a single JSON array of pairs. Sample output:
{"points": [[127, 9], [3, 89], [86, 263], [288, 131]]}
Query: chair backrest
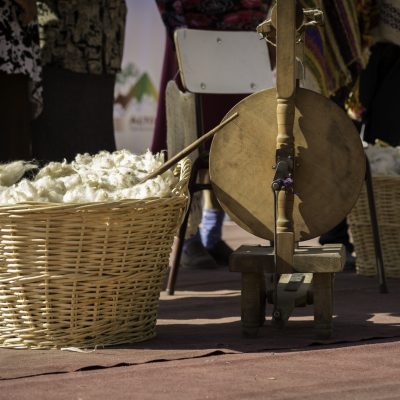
{"points": [[222, 62]]}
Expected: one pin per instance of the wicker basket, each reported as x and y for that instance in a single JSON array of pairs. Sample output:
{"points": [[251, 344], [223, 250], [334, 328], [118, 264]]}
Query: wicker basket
{"points": [[387, 199], [85, 275]]}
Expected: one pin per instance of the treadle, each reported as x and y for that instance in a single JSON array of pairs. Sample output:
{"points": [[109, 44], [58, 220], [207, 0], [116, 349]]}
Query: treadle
{"points": [[294, 282], [311, 282]]}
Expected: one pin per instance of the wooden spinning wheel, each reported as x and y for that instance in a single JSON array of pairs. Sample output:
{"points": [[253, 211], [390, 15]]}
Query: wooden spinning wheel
{"points": [[287, 165], [287, 169]]}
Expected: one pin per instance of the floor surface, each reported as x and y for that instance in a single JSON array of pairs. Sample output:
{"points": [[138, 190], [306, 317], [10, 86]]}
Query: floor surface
{"points": [[199, 352]]}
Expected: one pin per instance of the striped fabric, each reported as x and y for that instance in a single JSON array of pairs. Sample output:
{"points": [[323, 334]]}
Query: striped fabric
{"points": [[334, 52]]}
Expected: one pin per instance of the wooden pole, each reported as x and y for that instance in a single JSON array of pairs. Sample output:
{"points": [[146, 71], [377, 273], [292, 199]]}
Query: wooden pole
{"points": [[286, 86], [187, 150]]}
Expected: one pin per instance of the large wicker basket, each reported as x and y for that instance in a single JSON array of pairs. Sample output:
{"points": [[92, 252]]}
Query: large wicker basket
{"points": [[387, 199], [85, 275]]}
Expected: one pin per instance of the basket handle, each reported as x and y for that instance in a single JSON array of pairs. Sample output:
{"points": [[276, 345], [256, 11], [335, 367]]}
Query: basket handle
{"points": [[183, 169]]}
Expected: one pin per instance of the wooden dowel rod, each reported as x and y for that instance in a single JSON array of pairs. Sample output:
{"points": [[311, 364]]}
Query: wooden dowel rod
{"points": [[187, 150]]}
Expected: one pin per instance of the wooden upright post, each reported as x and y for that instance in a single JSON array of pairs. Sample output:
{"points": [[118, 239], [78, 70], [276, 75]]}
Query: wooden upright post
{"points": [[286, 86]]}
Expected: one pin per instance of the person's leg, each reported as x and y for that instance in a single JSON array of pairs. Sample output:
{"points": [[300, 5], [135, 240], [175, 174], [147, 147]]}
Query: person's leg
{"points": [[194, 254], [206, 249], [212, 220], [168, 73], [77, 115], [339, 234], [211, 229], [15, 117], [211, 249], [377, 94]]}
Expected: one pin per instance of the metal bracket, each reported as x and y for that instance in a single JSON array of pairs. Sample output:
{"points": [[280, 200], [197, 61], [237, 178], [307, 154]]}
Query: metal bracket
{"points": [[283, 178], [304, 19]]}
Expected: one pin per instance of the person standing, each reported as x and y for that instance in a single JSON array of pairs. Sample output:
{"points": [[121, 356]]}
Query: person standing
{"points": [[20, 77], [81, 48], [206, 248], [380, 79]]}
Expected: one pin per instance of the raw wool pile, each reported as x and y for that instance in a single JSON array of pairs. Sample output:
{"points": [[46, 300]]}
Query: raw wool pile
{"points": [[102, 177], [384, 160], [14, 171]]}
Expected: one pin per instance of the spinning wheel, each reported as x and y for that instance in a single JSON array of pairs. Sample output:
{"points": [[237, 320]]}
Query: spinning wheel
{"points": [[287, 165], [287, 169]]}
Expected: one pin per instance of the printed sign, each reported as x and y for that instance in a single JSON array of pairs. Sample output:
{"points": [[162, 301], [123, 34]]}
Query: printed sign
{"points": [[136, 89]]}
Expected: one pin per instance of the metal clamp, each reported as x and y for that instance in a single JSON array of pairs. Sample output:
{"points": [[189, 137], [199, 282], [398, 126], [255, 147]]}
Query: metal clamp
{"points": [[304, 19]]}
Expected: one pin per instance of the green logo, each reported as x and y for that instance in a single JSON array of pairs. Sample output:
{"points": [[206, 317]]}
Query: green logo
{"points": [[142, 87]]}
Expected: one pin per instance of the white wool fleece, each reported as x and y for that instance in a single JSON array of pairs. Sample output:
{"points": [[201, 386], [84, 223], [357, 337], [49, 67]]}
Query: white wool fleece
{"points": [[102, 177]]}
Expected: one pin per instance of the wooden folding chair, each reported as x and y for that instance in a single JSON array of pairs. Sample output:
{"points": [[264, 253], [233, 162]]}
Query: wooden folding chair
{"points": [[216, 62]]}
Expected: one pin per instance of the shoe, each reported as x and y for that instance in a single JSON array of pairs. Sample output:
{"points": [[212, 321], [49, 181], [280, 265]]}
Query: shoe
{"points": [[221, 253], [196, 256], [350, 263]]}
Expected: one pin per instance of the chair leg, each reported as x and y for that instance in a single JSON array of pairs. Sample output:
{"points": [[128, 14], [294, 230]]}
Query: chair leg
{"points": [[375, 230], [193, 187], [173, 273]]}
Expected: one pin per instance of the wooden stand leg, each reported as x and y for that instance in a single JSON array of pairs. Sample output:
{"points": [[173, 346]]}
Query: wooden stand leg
{"points": [[193, 187], [173, 273], [323, 304], [253, 301]]}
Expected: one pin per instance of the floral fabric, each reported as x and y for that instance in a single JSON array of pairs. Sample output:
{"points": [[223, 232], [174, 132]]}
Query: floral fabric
{"points": [[331, 54], [83, 36], [213, 14], [19, 48]]}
